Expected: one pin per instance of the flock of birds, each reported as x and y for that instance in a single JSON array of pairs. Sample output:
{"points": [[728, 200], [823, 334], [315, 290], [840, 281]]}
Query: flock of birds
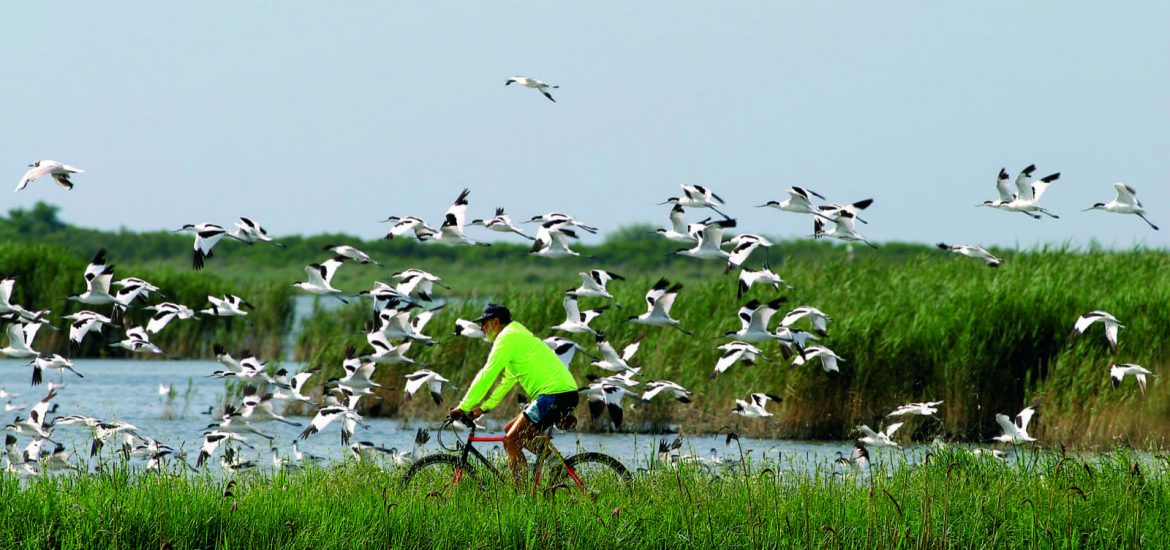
{"points": [[401, 312]]}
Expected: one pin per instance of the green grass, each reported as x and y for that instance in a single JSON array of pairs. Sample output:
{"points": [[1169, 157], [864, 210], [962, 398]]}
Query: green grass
{"points": [[953, 500], [931, 327]]}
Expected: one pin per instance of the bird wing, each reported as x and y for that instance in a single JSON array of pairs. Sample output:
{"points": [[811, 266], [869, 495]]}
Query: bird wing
{"points": [[1003, 184], [457, 213], [740, 253], [1039, 187], [889, 431], [667, 300], [415, 380], [1025, 417], [159, 321], [631, 349], [1006, 423], [572, 312], [1125, 194], [728, 359], [1024, 183], [32, 174], [330, 268], [677, 219]]}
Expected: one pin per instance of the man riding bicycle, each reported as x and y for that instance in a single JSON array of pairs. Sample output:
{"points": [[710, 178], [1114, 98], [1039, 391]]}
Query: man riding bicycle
{"points": [[524, 358]]}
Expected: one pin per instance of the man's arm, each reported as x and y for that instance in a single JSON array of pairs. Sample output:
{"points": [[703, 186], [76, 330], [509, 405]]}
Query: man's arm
{"points": [[486, 376], [500, 392]]}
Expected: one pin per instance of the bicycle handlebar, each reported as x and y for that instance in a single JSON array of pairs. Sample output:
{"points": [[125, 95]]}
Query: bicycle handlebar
{"points": [[450, 422]]}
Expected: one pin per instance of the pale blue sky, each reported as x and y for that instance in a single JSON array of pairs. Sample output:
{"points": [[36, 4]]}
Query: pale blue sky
{"points": [[316, 117]]}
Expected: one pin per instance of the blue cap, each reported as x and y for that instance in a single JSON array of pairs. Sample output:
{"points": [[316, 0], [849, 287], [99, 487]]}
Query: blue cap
{"points": [[495, 311]]}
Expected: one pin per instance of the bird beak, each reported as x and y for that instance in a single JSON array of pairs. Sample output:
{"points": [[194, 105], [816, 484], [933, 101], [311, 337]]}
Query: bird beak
{"points": [[1088, 209], [662, 203], [761, 205]]}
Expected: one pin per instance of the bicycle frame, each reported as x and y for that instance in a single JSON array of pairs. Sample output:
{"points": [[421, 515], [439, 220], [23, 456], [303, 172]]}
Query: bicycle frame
{"points": [[546, 449]]}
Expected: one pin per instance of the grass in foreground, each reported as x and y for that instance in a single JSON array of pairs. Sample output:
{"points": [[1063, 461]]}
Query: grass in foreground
{"points": [[954, 499]]}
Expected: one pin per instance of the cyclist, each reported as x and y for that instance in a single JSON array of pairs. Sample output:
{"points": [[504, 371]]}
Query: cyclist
{"points": [[524, 358]]}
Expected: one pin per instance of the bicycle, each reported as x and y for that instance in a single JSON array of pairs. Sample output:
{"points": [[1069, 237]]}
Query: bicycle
{"points": [[589, 471]]}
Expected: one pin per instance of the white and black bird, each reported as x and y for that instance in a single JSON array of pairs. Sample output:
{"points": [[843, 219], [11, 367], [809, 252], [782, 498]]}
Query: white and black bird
{"points": [[603, 397], [742, 247], [386, 353], [258, 409], [409, 224], [754, 318], [594, 283], [429, 378], [46, 361], [35, 424], [611, 360], [84, 322], [710, 241], [320, 278], [358, 379], [799, 201], [883, 438], [1028, 193], [666, 387], [207, 235], [501, 223], [138, 340], [350, 252], [333, 409], [1007, 193], [1125, 202], [469, 329], [755, 406], [928, 408], [1118, 372], [229, 305], [212, 440], [417, 284], [451, 231], [562, 220], [734, 352], [832, 211], [816, 318], [566, 349], [542, 87], [20, 340], [552, 241], [577, 320], [59, 171], [858, 458], [679, 231], [749, 278], [659, 301], [1105, 318], [972, 251], [98, 278], [7, 285], [1015, 431], [165, 312], [697, 196], [145, 287], [829, 359], [249, 231], [841, 228]]}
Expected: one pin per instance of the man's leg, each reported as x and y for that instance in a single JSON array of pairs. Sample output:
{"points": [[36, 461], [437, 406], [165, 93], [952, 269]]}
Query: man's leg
{"points": [[518, 433]]}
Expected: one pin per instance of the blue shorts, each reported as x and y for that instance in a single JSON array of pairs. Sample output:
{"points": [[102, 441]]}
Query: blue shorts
{"points": [[549, 409]]}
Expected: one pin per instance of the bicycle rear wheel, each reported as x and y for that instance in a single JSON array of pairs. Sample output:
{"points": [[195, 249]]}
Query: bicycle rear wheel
{"points": [[594, 472], [437, 474]]}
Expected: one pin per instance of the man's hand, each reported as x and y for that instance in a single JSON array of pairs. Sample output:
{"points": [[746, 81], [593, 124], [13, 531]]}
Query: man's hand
{"points": [[475, 412]]}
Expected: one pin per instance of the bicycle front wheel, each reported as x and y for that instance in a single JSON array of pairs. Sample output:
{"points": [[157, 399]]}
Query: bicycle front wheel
{"points": [[593, 472], [437, 474]]}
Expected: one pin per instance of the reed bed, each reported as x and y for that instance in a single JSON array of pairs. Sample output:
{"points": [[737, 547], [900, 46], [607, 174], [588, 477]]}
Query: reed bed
{"points": [[927, 327], [48, 275], [953, 499]]}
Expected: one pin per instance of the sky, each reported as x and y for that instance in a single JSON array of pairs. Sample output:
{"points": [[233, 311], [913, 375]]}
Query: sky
{"points": [[312, 117]]}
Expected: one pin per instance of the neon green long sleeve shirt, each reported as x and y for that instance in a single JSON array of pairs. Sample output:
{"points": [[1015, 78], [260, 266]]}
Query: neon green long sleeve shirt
{"points": [[523, 358]]}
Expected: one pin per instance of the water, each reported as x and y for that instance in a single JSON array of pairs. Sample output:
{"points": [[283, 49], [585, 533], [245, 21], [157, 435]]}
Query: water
{"points": [[124, 390]]}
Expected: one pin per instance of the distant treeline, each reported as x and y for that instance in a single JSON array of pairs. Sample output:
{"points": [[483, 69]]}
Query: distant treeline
{"points": [[501, 266]]}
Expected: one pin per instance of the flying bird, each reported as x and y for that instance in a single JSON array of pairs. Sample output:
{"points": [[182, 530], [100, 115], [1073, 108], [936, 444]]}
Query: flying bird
{"points": [[1118, 372], [972, 251], [59, 171], [206, 237], [1125, 202], [533, 83], [1111, 325], [697, 196], [754, 408], [799, 201], [659, 301]]}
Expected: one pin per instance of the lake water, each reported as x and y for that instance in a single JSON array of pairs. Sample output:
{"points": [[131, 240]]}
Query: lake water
{"points": [[129, 391]]}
